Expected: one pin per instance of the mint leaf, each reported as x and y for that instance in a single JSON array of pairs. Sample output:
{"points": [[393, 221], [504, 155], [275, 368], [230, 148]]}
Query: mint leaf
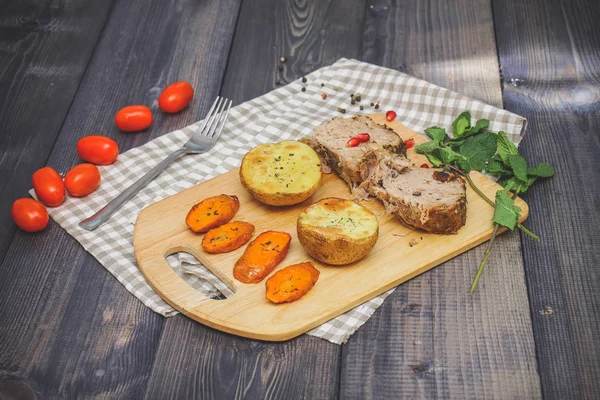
{"points": [[461, 124], [449, 156], [506, 148], [526, 185], [427, 147], [436, 162], [437, 134], [505, 212], [541, 170], [481, 125], [477, 150], [519, 166], [497, 168]]}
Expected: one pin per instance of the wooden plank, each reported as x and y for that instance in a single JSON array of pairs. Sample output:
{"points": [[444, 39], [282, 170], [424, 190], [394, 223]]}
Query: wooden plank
{"points": [[550, 60], [430, 339], [44, 51], [159, 231], [310, 35], [68, 327]]}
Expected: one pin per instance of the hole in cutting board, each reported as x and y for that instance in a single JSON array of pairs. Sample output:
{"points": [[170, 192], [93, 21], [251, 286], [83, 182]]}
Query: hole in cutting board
{"points": [[199, 277]]}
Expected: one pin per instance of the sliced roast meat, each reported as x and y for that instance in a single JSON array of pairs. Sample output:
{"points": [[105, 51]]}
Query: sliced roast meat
{"points": [[429, 199], [330, 142]]}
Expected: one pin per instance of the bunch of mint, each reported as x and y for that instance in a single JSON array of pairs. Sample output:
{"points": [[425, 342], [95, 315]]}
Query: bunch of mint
{"points": [[475, 148]]}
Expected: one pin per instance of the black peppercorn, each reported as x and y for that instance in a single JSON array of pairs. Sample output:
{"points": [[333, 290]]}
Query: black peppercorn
{"points": [[304, 89], [376, 106], [304, 79], [362, 108]]}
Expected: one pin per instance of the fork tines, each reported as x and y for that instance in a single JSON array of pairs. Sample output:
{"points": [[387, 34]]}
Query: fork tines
{"points": [[215, 119]]}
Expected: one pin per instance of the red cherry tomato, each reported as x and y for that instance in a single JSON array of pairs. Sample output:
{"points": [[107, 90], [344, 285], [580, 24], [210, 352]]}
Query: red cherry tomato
{"points": [[48, 186], [133, 118], [29, 215], [98, 150], [409, 144], [424, 166], [390, 115], [176, 97], [82, 180], [353, 142], [363, 137]]}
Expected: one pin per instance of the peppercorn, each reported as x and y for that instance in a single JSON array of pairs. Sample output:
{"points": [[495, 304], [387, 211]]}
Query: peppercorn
{"points": [[357, 98], [343, 111], [352, 101], [322, 84], [376, 106], [304, 89], [324, 96], [352, 95], [304, 79], [362, 108], [372, 104]]}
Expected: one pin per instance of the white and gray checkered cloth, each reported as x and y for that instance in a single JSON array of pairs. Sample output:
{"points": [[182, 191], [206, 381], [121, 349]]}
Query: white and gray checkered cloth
{"points": [[285, 113]]}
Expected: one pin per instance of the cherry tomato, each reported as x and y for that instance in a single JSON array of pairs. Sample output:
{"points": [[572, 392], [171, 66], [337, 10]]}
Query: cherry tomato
{"points": [[363, 137], [82, 180], [133, 118], [409, 144], [424, 166], [48, 186], [176, 97], [98, 150], [29, 215], [390, 115]]}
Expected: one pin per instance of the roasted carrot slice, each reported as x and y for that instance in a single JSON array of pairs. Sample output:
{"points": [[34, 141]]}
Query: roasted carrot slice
{"points": [[261, 256], [212, 212], [227, 237], [291, 283]]}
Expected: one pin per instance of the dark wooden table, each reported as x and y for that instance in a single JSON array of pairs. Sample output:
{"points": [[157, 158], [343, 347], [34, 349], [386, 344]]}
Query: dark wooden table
{"points": [[68, 329]]}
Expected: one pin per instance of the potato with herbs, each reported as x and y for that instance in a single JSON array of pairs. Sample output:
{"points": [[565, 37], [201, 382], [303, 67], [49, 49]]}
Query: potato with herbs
{"points": [[227, 237], [262, 256], [212, 212], [281, 174], [291, 283], [337, 231]]}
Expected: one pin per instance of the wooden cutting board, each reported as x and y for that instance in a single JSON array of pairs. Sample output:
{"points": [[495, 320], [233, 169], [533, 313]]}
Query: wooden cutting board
{"points": [[399, 255]]}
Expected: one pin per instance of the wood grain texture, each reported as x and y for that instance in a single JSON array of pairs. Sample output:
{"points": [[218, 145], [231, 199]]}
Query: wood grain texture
{"points": [[45, 47], [430, 339], [160, 230], [68, 327], [195, 362], [550, 57]]}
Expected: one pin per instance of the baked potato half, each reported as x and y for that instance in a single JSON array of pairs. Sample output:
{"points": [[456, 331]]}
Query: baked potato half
{"points": [[281, 174], [337, 231]]}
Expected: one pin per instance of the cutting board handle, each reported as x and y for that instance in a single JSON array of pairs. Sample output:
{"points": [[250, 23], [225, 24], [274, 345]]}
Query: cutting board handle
{"points": [[163, 279]]}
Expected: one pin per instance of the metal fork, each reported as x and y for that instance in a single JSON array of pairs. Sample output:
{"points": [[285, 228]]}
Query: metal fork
{"points": [[202, 141]]}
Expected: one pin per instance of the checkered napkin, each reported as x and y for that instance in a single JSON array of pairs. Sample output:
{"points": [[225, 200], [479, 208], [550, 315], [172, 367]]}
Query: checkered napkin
{"points": [[285, 113]]}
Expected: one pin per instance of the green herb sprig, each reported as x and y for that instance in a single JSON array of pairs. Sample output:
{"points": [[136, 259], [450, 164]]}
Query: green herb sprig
{"points": [[476, 148]]}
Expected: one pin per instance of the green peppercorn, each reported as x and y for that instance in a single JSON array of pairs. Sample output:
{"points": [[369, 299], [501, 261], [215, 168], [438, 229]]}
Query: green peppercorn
{"points": [[352, 102]]}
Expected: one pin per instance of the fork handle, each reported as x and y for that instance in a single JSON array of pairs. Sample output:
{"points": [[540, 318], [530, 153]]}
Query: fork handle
{"points": [[115, 204]]}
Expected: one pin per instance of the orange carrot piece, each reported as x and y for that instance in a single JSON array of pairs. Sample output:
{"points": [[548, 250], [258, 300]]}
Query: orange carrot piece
{"points": [[291, 283], [261, 256], [227, 237], [212, 212]]}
